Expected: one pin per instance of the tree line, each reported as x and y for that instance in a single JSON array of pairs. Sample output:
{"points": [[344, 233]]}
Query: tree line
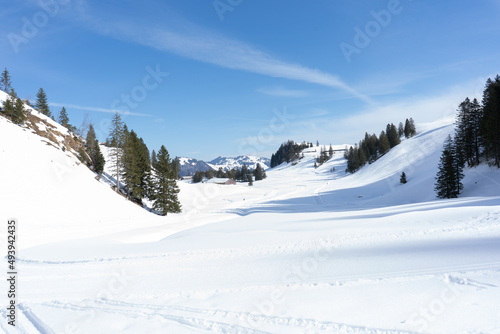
{"points": [[476, 139], [372, 147], [288, 152], [244, 174]]}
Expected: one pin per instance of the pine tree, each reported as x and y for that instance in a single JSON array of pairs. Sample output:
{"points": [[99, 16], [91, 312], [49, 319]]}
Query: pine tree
{"points": [[250, 179], [5, 82], [137, 166], [401, 129], [41, 103], [449, 177], [258, 173], [94, 151], [392, 135], [410, 129], [402, 179], [116, 139], [9, 105], [383, 143], [64, 120], [18, 115], [165, 186], [154, 161]]}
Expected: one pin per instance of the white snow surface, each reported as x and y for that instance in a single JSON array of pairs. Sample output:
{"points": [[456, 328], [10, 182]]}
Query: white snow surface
{"points": [[304, 251]]}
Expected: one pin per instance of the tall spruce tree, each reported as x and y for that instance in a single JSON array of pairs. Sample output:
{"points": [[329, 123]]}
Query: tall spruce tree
{"points": [[383, 143], [5, 82], [137, 167], [18, 114], [258, 173], [64, 120], [94, 151], [392, 135], [449, 177], [41, 103], [165, 185], [116, 139]]}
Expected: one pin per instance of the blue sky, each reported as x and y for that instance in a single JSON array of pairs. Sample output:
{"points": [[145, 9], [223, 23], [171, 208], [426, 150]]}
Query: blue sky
{"points": [[234, 77]]}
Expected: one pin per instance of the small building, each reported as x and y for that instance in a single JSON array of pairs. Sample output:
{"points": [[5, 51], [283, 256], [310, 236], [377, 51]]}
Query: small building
{"points": [[186, 178], [222, 181]]}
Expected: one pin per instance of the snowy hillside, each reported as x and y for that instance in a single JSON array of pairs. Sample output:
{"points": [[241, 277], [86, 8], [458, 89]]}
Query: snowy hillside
{"points": [[227, 163], [304, 251]]}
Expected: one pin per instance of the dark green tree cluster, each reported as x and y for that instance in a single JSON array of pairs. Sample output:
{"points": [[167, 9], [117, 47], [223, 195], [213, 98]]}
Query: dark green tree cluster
{"points": [[409, 129], [450, 174], [94, 151], [13, 106], [372, 147], [144, 175], [288, 152], [477, 136], [239, 174], [324, 156], [490, 121]]}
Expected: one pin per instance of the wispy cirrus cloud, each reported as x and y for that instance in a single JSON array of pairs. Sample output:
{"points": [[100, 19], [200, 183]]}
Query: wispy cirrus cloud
{"points": [[105, 110], [200, 44]]}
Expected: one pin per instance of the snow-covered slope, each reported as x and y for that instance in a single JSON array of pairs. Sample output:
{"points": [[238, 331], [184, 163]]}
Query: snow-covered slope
{"points": [[304, 251], [227, 163]]}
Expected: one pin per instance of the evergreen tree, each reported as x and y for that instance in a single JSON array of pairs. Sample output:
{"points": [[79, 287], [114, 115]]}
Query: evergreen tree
{"points": [[18, 115], [392, 135], [401, 129], [165, 185], [116, 139], [258, 173], [94, 151], [41, 103], [9, 105], [449, 177], [250, 179], [5, 82], [491, 121], [402, 179], [136, 167], [330, 152], [64, 120], [154, 161], [410, 129], [383, 144]]}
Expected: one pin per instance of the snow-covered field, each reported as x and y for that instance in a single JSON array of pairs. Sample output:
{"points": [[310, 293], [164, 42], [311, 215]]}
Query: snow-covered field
{"points": [[304, 251]]}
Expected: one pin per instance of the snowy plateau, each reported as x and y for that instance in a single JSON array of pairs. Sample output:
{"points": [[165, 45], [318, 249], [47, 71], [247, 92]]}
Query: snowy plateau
{"points": [[304, 251]]}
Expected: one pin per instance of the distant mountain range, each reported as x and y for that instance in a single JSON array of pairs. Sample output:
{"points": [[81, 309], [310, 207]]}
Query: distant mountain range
{"points": [[189, 166]]}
